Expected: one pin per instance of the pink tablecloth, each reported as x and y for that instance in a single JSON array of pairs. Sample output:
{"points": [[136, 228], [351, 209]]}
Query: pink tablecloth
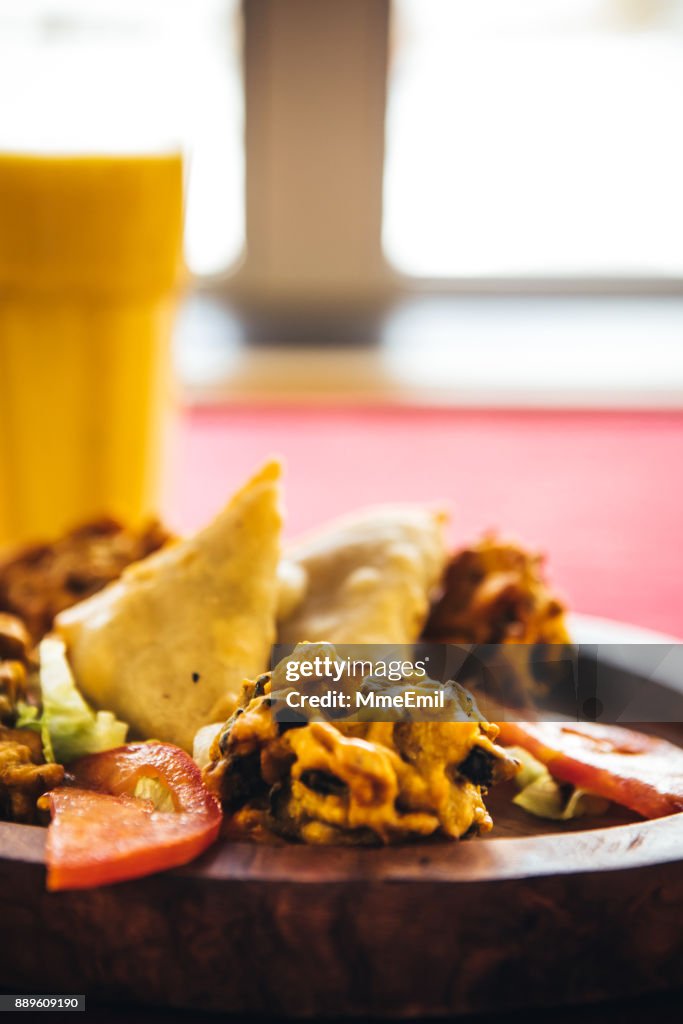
{"points": [[601, 493]]}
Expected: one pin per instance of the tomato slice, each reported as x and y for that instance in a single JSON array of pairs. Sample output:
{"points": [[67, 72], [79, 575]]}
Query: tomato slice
{"points": [[641, 772], [101, 833]]}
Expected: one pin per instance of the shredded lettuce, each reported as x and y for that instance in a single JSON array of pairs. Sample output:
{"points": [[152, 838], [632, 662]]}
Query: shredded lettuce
{"points": [[28, 717], [68, 726], [543, 796], [530, 768]]}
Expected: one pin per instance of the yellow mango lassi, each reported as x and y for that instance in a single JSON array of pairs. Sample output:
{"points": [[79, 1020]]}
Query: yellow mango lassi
{"points": [[90, 261]]}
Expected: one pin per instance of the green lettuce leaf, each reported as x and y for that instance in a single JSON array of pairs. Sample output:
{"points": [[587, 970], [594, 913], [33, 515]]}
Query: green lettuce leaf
{"points": [[543, 796], [68, 726], [28, 718]]}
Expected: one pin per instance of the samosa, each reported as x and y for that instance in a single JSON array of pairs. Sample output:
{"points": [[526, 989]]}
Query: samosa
{"points": [[167, 646], [366, 578]]}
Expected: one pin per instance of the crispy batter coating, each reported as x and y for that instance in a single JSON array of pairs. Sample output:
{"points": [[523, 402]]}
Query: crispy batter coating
{"points": [[24, 776], [39, 581], [36, 583], [494, 592], [15, 660], [13, 682], [352, 782]]}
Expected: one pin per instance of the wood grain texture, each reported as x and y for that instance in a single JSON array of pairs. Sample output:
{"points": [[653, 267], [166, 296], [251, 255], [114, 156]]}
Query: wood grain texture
{"points": [[431, 929]]}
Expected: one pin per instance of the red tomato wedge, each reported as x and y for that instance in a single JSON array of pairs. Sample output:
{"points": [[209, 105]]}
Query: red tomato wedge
{"points": [[641, 772], [101, 833]]}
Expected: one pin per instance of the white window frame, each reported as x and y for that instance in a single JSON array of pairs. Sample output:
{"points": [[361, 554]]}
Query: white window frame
{"points": [[315, 93]]}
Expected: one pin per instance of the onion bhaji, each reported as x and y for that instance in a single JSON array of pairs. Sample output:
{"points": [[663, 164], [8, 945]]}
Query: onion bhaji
{"points": [[24, 775], [38, 582], [15, 662], [494, 593], [356, 782]]}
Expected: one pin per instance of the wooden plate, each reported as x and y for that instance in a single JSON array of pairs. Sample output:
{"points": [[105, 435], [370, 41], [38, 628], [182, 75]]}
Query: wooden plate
{"points": [[535, 915]]}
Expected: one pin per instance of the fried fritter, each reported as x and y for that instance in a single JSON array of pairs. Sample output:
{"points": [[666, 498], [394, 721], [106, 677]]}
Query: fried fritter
{"points": [[24, 776], [355, 782], [493, 593], [39, 581], [15, 661]]}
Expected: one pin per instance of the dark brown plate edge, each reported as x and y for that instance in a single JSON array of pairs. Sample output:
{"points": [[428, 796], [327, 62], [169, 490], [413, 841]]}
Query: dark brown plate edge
{"points": [[620, 847]]}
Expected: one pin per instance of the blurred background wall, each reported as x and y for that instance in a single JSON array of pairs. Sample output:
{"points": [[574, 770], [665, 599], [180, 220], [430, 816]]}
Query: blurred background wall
{"points": [[416, 200], [434, 250]]}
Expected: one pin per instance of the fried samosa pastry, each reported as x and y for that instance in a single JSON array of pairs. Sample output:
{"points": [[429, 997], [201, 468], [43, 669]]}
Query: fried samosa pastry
{"points": [[367, 578], [167, 646]]}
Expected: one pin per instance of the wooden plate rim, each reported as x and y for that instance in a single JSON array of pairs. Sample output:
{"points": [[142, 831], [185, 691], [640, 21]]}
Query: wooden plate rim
{"points": [[619, 847]]}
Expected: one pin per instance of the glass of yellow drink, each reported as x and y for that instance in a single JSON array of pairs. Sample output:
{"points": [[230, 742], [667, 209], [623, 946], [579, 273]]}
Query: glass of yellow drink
{"points": [[90, 263]]}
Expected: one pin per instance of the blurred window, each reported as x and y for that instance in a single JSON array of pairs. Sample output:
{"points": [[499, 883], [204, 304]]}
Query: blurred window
{"points": [[535, 138], [108, 75]]}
